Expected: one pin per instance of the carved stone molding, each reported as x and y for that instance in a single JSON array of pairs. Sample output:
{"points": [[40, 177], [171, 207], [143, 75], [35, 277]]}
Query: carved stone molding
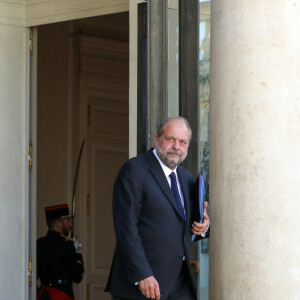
{"points": [[36, 12]]}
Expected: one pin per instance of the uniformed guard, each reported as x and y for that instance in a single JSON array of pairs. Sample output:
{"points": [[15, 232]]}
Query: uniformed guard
{"points": [[59, 261]]}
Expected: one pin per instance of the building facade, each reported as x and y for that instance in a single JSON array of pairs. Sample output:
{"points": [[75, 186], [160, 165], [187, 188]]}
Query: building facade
{"points": [[85, 80]]}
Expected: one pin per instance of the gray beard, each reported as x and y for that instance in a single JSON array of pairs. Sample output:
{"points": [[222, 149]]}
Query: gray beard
{"points": [[167, 160]]}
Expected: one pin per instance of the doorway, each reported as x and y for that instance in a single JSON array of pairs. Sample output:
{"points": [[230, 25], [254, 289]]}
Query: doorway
{"points": [[82, 93]]}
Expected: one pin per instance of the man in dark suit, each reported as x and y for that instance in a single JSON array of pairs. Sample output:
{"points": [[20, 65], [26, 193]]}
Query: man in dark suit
{"points": [[152, 211], [59, 261]]}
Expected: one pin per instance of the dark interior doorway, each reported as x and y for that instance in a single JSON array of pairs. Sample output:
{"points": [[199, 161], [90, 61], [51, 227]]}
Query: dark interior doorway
{"points": [[82, 92]]}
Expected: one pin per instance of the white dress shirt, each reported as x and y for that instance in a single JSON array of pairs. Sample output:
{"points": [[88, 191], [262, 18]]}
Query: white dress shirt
{"points": [[167, 172]]}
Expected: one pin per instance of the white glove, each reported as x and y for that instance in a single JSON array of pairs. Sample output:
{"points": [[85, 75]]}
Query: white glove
{"points": [[77, 245]]}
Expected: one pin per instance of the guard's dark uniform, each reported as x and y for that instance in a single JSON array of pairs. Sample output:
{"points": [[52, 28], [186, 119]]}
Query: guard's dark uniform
{"points": [[58, 266]]}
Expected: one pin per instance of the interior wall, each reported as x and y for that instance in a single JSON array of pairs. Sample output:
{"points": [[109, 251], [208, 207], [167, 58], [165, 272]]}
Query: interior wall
{"points": [[53, 116], [57, 128], [13, 161]]}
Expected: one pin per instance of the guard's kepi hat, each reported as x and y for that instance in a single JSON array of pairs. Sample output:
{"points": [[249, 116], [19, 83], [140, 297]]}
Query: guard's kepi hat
{"points": [[57, 212]]}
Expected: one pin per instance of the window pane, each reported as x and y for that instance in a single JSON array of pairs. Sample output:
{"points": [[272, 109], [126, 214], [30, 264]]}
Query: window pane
{"points": [[173, 58]]}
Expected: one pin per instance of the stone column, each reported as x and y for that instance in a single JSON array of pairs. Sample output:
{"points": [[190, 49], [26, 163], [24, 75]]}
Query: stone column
{"points": [[255, 150]]}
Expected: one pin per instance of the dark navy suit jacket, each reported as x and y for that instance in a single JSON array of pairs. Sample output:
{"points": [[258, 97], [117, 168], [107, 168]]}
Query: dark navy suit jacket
{"points": [[151, 237]]}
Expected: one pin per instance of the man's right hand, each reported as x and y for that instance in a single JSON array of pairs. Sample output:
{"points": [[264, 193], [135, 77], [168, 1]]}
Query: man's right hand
{"points": [[149, 287]]}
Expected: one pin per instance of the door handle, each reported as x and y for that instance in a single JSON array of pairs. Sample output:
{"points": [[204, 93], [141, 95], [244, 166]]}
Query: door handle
{"points": [[195, 263]]}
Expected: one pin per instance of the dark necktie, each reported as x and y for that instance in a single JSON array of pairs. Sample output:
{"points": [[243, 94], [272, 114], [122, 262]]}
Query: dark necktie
{"points": [[174, 188]]}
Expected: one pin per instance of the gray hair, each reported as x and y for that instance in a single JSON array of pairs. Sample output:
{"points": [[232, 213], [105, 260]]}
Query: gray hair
{"points": [[162, 125]]}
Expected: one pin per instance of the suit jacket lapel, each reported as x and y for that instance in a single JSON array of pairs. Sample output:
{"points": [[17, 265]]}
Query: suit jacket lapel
{"points": [[161, 179]]}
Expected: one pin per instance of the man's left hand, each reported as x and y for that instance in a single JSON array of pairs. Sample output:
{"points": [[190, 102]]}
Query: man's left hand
{"points": [[199, 228], [77, 245]]}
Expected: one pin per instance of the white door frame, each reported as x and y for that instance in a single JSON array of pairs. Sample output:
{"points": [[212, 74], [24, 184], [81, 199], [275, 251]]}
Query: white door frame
{"points": [[31, 172]]}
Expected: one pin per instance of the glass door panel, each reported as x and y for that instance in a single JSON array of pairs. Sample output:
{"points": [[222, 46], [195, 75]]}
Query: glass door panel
{"points": [[204, 95], [173, 58]]}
